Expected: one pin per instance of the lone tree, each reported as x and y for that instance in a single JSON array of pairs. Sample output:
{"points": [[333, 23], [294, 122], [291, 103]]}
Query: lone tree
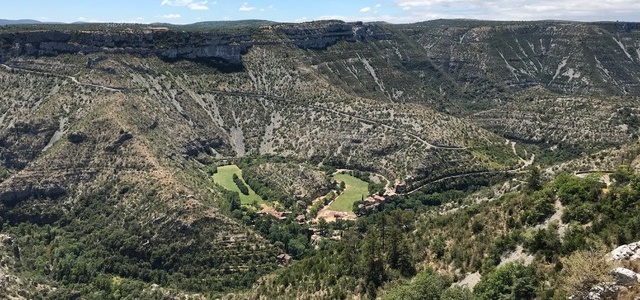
{"points": [[533, 182]]}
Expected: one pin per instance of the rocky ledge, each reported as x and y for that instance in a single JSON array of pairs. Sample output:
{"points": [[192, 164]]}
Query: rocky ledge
{"points": [[322, 34], [626, 252], [222, 50]]}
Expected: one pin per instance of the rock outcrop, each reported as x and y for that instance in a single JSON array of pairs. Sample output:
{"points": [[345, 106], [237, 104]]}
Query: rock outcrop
{"points": [[115, 145], [626, 252], [223, 50], [623, 277], [322, 34], [605, 290], [23, 191]]}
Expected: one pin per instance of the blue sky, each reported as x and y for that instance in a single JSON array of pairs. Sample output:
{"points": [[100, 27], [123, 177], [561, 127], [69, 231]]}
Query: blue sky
{"points": [[395, 11]]}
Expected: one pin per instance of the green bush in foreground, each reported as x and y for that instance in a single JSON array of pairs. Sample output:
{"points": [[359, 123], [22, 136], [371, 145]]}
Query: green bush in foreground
{"points": [[511, 281]]}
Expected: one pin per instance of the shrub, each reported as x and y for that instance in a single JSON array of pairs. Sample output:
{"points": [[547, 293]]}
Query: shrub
{"points": [[426, 285], [511, 281], [582, 270], [212, 169], [457, 293]]}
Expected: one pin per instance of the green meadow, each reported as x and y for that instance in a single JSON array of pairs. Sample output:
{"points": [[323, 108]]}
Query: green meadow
{"points": [[224, 177], [355, 190]]}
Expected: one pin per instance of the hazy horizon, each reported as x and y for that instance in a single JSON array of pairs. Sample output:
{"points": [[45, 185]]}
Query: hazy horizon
{"points": [[392, 11]]}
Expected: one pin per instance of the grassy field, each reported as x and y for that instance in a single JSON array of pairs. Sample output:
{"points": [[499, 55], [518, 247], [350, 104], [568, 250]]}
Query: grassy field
{"points": [[224, 177], [355, 190]]}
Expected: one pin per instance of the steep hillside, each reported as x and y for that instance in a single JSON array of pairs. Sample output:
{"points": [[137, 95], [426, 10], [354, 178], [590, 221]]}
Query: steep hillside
{"points": [[84, 168], [475, 59], [104, 140], [576, 58], [293, 101], [109, 135], [547, 83]]}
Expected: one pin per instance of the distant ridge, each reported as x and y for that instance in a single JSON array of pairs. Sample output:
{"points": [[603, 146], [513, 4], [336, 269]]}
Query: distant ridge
{"points": [[4, 22], [230, 24], [215, 25]]}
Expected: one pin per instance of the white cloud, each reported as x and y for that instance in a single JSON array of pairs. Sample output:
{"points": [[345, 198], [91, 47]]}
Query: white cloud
{"points": [[138, 20], [245, 7], [365, 9], [91, 20], [378, 5], [191, 4], [171, 16], [367, 18], [577, 10]]}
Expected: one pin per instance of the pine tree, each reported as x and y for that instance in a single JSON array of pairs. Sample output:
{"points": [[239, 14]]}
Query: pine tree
{"points": [[533, 183]]}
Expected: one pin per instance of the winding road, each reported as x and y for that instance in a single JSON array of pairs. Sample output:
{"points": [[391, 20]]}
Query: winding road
{"points": [[515, 171], [520, 170], [72, 78]]}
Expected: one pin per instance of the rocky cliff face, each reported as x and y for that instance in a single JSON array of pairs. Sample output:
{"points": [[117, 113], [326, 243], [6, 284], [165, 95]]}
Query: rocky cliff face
{"points": [[575, 58], [474, 58], [221, 50], [320, 35], [546, 83]]}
